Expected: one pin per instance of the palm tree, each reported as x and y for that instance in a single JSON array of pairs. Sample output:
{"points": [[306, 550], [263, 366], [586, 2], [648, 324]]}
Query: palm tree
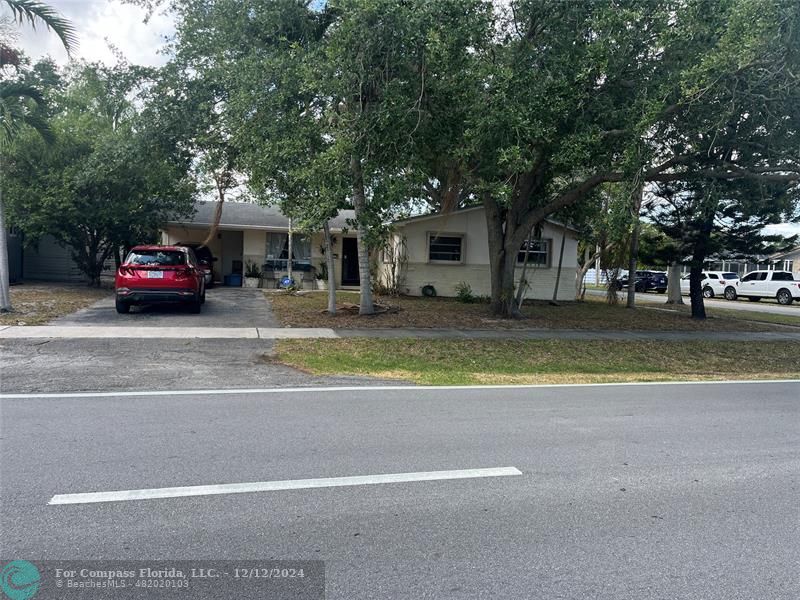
{"points": [[36, 13], [18, 104]]}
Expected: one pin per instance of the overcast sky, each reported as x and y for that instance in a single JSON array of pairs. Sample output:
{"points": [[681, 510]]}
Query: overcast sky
{"points": [[99, 22]]}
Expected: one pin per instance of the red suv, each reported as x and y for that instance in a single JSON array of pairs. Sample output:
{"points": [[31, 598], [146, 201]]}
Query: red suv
{"points": [[160, 274]]}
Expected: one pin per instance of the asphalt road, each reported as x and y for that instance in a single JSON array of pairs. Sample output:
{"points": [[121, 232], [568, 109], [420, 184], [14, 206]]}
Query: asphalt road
{"points": [[626, 492], [767, 305]]}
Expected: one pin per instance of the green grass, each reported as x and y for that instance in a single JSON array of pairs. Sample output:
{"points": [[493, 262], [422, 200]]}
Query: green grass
{"points": [[468, 362], [760, 317]]}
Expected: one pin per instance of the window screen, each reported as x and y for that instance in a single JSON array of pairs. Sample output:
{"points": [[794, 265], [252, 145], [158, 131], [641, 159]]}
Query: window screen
{"points": [[538, 253], [445, 248]]}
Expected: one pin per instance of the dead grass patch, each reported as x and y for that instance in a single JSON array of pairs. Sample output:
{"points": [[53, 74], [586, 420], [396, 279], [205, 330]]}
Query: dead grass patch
{"points": [[307, 310], [37, 304]]}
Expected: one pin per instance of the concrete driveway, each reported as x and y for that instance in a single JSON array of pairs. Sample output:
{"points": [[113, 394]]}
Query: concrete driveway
{"points": [[224, 307]]}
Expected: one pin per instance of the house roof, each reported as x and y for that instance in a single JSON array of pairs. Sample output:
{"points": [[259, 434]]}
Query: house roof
{"points": [[248, 215], [784, 254], [438, 215]]}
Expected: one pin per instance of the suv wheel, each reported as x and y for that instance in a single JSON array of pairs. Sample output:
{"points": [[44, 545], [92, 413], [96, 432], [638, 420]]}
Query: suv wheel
{"points": [[123, 307], [730, 293], [784, 297], [195, 304], [708, 292]]}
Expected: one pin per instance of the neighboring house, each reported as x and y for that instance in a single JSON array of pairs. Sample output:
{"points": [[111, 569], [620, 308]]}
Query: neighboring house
{"points": [[787, 261], [14, 249], [48, 260], [252, 233], [443, 250]]}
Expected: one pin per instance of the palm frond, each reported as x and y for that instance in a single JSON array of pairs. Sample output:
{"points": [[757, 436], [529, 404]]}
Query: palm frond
{"points": [[17, 90], [41, 126], [18, 103], [34, 12]]}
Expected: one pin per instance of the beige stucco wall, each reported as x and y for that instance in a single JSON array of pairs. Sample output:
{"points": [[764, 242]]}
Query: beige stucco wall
{"points": [[474, 270], [254, 246]]}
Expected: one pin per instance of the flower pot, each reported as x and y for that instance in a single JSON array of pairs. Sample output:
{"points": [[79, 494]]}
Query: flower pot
{"points": [[251, 282], [322, 284]]}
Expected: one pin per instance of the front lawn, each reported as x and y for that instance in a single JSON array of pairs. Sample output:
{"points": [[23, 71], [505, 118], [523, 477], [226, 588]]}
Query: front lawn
{"points": [[470, 362], [308, 310], [36, 304]]}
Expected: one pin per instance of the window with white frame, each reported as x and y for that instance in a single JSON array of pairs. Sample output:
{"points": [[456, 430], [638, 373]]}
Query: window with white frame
{"points": [[538, 253], [278, 248], [447, 248]]}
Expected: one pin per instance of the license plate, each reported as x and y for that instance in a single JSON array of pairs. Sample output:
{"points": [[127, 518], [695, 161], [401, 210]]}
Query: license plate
{"points": [[155, 274]]}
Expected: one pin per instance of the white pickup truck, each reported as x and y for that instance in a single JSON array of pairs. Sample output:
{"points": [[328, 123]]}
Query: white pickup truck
{"points": [[769, 284]]}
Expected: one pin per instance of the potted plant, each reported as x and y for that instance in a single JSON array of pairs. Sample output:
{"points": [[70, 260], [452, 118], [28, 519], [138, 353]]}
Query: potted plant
{"points": [[322, 277], [252, 275]]}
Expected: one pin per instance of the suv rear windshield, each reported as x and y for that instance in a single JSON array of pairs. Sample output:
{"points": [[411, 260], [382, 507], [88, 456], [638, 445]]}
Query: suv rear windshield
{"points": [[165, 258], [730, 276], [782, 276]]}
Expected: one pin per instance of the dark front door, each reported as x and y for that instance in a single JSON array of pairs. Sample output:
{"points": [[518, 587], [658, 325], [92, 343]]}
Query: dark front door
{"points": [[350, 262]]}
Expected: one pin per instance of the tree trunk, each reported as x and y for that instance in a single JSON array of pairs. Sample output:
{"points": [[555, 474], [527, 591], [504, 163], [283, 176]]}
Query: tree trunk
{"points": [[696, 291], [634, 258], [580, 274], [560, 262], [699, 254], [326, 229], [212, 233], [359, 204], [504, 245], [5, 274], [674, 284]]}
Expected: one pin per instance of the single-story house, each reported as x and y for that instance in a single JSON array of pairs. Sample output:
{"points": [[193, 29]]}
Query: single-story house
{"points": [[439, 250], [252, 233], [444, 250]]}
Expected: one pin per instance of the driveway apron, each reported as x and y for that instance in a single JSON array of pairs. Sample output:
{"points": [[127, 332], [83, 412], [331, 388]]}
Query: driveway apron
{"points": [[224, 307]]}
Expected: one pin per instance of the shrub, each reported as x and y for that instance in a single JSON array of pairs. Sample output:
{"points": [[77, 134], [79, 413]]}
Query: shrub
{"points": [[252, 270], [464, 293]]}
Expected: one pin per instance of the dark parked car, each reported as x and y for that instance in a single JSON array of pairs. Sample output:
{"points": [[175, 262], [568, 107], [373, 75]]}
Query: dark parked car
{"points": [[158, 275], [646, 281], [205, 258]]}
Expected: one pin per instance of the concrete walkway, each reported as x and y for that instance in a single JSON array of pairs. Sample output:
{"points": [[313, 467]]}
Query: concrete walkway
{"points": [[275, 333]]}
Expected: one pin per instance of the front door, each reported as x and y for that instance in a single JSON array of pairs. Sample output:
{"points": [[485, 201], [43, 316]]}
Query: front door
{"points": [[350, 275]]}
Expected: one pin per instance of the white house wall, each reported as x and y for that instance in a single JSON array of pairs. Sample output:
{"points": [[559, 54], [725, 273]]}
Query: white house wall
{"points": [[474, 270]]}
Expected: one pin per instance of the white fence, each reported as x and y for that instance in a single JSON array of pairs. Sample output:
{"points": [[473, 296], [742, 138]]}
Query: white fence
{"points": [[591, 277]]}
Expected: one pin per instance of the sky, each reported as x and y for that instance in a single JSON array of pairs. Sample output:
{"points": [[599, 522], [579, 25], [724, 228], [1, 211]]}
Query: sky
{"points": [[99, 22]]}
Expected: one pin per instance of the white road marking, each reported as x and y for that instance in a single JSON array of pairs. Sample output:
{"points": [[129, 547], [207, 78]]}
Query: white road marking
{"points": [[273, 486], [382, 388]]}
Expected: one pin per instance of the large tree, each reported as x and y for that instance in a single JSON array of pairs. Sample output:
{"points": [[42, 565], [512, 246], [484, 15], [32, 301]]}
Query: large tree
{"points": [[21, 104], [564, 97], [107, 181]]}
